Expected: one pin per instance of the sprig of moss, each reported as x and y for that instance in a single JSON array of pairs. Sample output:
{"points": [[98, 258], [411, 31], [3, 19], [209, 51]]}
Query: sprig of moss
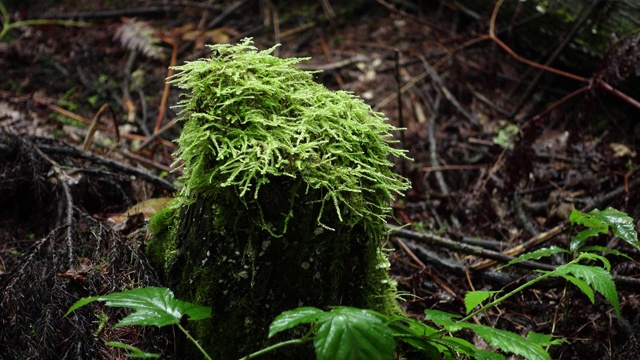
{"points": [[251, 117]]}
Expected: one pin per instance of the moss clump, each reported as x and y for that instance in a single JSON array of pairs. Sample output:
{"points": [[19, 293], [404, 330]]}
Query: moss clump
{"points": [[286, 190]]}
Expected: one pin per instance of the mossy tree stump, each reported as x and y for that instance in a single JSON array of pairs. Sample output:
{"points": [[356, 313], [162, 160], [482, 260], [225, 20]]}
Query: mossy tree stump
{"points": [[286, 189]]}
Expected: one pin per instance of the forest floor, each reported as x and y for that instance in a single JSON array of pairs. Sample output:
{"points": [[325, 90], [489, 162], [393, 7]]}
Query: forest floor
{"points": [[493, 164]]}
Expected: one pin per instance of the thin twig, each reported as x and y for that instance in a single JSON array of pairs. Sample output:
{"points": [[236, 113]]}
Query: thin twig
{"points": [[165, 92], [403, 143], [447, 94], [128, 169]]}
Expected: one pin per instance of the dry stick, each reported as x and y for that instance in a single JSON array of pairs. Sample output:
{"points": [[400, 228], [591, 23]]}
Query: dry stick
{"points": [[493, 276], [84, 120], [327, 54], [423, 268], [296, 30], [328, 11], [565, 41], [421, 76], [403, 143], [142, 11], [270, 15], [414, 18], [493, 170], [126, 168], [522, 216], [228, 11], [153, 137], [431, 126], [62, 178], [519, 249], [359, 58], [447, 94], [145, 161], [165, 93], [464, 248]]}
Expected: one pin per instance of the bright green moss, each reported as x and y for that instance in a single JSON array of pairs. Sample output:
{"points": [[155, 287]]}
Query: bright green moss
{"points": [[251, 116]]}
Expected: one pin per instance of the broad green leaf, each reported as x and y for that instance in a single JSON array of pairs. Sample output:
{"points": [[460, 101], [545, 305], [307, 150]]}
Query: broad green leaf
{"points": [[604, 249], [415, 333], [510, 342], [152, 306], [596, 277], [535, 255], [475, 298], [586, 289], [444, 319], [581, 237], [292, 318], [80, 303], [599, 221], [621, 224], [135, 352], [591, 256], [349, 333], [545, 339], [589, 220], [463, 347]]}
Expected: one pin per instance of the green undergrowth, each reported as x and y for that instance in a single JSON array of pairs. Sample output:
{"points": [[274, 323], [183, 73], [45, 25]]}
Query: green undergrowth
{"points": [[346, 333]]}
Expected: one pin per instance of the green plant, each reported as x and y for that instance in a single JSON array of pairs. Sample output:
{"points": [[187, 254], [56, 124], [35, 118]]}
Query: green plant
{"points": [[352, 333], [8, 25], [152, 306]]}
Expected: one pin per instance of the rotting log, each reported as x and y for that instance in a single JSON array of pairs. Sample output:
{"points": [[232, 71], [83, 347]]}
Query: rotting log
{"points": [[285, 191]]}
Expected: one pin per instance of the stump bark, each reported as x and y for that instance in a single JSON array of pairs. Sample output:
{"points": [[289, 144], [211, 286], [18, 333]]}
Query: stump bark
{"points": [[286, 189]]}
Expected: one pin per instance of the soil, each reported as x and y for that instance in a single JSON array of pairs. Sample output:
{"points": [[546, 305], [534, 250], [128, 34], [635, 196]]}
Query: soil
{"points": [[493, 165]]}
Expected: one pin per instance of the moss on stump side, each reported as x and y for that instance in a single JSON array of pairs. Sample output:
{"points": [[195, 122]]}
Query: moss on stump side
{"points": [[286, 192]]}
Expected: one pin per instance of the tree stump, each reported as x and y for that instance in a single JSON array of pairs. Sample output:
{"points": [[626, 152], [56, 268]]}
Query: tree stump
{"points": [[286, 188]]}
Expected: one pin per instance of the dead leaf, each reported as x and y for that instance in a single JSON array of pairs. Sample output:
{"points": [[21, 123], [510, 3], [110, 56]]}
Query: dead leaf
{"points": [[621, 150], [147, 208]]}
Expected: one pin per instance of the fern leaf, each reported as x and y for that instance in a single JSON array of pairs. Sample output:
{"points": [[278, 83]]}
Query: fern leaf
{"points": [[139, 36]]}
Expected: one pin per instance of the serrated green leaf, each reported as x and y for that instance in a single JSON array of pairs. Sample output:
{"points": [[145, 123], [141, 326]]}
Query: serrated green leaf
{"points": [[545, 339], [510, 342], [592, 256], [135, 352], [475, 298], [575, 216], [443, 319], [599, 221], [463, 347], [80, 303], [292, 318], [586, 289], [604, 249], [589, 220], [621, 224], [598, 278], [535, 255], [350, 333], [581, 237], [415, 333], [152, 306]]}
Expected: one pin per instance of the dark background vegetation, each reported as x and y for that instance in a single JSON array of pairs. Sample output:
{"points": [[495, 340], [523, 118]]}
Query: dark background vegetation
{"points": [[500, 156]]}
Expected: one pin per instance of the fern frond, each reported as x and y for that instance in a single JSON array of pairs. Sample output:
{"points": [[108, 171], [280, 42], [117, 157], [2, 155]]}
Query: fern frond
{"points": [[139, 36]]}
